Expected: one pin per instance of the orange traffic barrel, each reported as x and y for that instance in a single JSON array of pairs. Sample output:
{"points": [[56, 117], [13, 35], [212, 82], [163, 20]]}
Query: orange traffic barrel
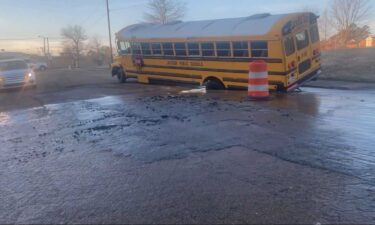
{"points": [[258, 80]]}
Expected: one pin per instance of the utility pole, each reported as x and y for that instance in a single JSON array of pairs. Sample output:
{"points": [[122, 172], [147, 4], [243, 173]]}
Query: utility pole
{"points": [[49, 60], [48, 53], [109, 32], [44, 46]]}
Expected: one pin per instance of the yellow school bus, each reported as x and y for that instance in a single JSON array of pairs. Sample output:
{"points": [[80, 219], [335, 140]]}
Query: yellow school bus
{"points": [[217, 53]]}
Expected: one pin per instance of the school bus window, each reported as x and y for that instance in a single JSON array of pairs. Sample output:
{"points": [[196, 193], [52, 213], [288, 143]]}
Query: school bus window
{"points": [[259, 49], [208, 49], [223, 49], [156, 49], [302, 40], [314, 33], [193, 49], [146, 48], [180, 49], [136, 48], [313, 19], [124, 48], [168, 49], [241, 49], [289, 46]]}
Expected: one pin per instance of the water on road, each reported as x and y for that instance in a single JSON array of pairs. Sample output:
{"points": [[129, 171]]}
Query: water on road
{"points": [[329, 131]]}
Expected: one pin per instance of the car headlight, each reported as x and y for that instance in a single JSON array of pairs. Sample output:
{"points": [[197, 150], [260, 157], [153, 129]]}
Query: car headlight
{"points": [[29, 75]]}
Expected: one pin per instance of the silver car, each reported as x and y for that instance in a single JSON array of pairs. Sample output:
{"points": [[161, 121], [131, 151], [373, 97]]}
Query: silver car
{"points": [[16, 73]]}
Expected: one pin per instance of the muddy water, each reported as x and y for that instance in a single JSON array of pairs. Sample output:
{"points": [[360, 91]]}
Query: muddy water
{"points": [[113, 158], [324, 129]]}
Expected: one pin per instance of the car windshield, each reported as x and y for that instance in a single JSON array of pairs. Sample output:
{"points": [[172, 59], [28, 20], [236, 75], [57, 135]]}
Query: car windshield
{"points": [[13, 65]]}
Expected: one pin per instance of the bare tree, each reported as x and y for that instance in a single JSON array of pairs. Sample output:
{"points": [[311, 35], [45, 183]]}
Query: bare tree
{"points": [[325, 25], [97, 51], [68, 54], [74, 37], [96, 43], [165, 11], [346, 13]]}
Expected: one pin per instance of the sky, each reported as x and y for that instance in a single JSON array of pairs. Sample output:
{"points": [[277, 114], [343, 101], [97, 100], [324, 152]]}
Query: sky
{"points": [[22, 21]]}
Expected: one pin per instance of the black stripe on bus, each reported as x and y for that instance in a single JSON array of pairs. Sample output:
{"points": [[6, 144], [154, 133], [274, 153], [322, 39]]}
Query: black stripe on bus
{"points": [[195, 68], [216, 70], [317, 56], [243, 81], [235, 80], [167, 81], [190, 76], [280, 86], [221, 59]]}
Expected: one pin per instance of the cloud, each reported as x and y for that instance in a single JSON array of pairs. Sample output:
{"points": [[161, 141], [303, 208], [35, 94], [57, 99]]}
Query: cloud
{"points": [[372, 25], [2, 23], [20, 46]]}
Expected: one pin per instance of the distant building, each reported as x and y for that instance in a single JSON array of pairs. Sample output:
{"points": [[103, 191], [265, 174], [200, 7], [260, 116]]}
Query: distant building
{"points": [[335, 43], [370, 42]]}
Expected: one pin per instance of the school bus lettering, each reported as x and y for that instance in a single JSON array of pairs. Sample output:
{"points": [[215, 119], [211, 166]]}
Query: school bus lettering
{"points": [[183, 63], [172, 63], [198, 64]]}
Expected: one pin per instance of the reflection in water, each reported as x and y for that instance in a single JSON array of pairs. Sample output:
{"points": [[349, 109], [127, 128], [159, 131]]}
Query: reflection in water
{"points": [[107, 101], [4, 118], [88, 109], [307, 103], [342, 129], [195, 91], [327, 129]]}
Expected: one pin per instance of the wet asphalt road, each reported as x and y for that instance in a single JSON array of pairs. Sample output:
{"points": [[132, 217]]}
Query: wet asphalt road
{"points": [[93, 151]]}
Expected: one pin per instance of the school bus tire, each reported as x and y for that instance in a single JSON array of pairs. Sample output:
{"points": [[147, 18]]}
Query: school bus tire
{"points": [[280, 88], [121, 76], [213, 83]]}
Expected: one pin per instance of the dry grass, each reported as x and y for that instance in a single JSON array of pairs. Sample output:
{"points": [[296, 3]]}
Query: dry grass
{"points": [[356, 65]]}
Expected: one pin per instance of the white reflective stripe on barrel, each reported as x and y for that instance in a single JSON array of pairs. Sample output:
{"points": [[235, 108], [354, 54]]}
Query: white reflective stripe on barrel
{"points": [[258, 74], [258, 87]]}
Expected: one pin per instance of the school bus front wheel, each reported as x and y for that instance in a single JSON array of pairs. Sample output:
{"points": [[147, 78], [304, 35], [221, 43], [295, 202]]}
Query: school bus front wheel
{"points": [[120, 74], [213, 83]]}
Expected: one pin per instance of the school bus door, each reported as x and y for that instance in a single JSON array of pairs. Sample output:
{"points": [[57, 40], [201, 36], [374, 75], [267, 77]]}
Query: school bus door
{"points": [[304, 52], [290, 58]]}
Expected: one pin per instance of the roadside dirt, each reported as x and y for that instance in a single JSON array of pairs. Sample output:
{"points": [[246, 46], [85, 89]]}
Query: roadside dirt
{"points": [[355, 65]]}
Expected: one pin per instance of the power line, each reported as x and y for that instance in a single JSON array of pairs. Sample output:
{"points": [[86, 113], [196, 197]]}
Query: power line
{"points": [[17, 39], [27, 39], [102, 16], [109, 32], [127, 7], [91, 14]]}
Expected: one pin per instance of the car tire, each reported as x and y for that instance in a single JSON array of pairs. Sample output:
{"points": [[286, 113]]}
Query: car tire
{"points": [[121, 76], [42, 68], [214, 84], [34, 86]]}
